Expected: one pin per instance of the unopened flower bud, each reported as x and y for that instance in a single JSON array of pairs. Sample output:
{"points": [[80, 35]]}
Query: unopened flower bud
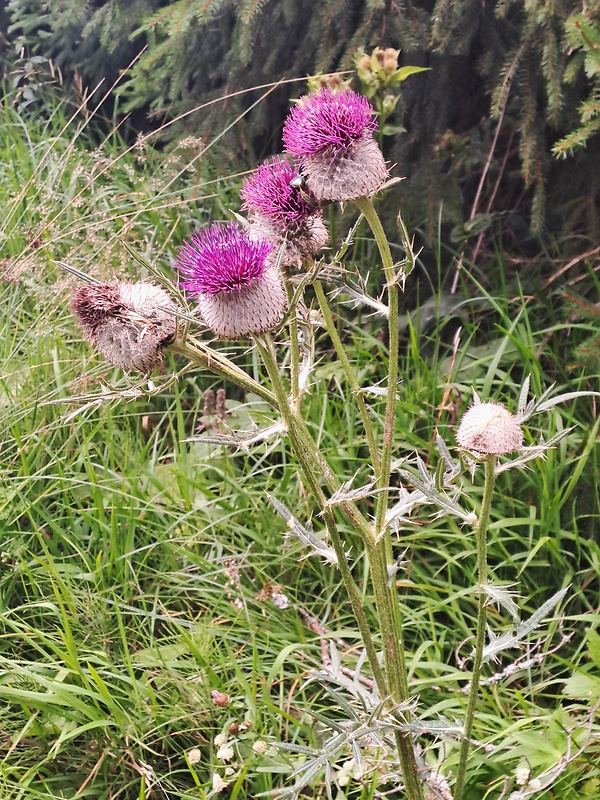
{"points": [[126, 321], [225, 753], [522, 775], [489, 429], [220, 699], [390, 59]]}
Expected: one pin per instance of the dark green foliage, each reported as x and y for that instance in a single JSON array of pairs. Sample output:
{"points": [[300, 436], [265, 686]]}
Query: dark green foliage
{"points": [[509, 82]]}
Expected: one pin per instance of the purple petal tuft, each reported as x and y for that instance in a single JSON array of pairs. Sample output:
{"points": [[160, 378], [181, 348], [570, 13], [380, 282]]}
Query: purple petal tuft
{"points": [[328, 120], [222, 258], [270, 193]]}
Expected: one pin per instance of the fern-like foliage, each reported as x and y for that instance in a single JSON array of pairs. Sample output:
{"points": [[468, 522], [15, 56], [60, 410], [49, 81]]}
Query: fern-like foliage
{"points": [[583, 39], [587, 354], [530, 67]]}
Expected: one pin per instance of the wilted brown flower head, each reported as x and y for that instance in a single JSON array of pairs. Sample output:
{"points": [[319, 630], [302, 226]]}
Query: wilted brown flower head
{"points": [[220, 699], [489, 429], [125, 321]]}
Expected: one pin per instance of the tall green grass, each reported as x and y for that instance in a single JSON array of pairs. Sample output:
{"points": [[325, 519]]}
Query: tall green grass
{"points": [[137, 568]]}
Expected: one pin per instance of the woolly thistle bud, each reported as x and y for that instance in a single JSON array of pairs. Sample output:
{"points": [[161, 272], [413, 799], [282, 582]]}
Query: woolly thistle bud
{"points": [[489, 429], [331, 134], [126, 322]]}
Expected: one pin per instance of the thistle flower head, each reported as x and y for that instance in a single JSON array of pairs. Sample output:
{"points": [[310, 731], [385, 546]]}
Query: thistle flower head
{"points": [[238, 289], [222, 259], [126, 321], [331, 134], [270, 192], [328, 120], [489, 429], [280, 211]]}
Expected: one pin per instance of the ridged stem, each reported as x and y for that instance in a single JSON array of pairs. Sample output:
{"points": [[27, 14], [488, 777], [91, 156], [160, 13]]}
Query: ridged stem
{"points": [[481, 527], [350, 376], [294, 348], [382, 560], [312, 466], [200, 353]]}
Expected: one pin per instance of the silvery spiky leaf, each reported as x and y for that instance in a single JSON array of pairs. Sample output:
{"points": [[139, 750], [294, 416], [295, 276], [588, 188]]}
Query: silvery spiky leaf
{"points": [[425, 483], [530, 453], [241, 439], [402, 509], [514, 637], [316, 545], [451, 466], [545, 402], [346, 493], [502, 596]]}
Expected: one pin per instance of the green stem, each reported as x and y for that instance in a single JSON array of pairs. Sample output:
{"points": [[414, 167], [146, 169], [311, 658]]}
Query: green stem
{"points": [[294, 349], [200, 353], [480, 530], [382, 560], [351, 377], [310, 461], [366, 207]]}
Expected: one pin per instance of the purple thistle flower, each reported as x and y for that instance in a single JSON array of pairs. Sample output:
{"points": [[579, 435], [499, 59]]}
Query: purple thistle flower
{"points": [[279, 211], [328, 119], [331, 133], [222, 259], [238, 288], [269, 192]]}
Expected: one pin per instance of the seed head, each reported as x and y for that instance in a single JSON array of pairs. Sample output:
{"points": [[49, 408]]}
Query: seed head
{"points": [[489, 429], [238, 289], [331, 134], [126, 322]]}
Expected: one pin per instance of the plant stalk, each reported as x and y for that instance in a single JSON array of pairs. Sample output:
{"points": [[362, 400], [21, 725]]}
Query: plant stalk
{"points": [[294, 349], [199, 353], [381, 555], [480, 530], [351, 377], [309, 458]]}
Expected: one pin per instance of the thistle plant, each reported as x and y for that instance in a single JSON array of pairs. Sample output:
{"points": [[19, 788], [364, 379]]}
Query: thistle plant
{"points": [[255, 280]]}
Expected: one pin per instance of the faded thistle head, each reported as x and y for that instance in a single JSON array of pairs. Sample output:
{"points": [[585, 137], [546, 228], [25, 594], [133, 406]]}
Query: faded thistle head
{"points": [[280, 210], [126, 321], [238, 288], [489, 429], [331, 135]]}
